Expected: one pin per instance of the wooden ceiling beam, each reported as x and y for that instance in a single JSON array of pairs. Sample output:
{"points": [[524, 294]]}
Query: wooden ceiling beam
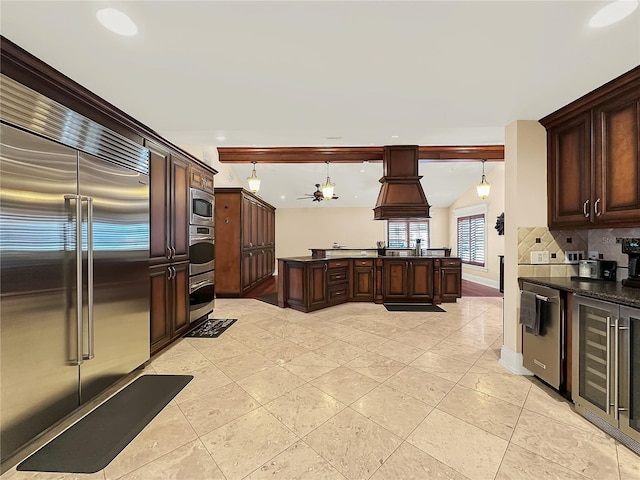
{"points": [[354, 154]]}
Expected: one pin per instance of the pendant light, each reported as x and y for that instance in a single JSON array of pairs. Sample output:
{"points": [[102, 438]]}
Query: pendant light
{"points": [[253, 180], [327, 188], [484, 187]]}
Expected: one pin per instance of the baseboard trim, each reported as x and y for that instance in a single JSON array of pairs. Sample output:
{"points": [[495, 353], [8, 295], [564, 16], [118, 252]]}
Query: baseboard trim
{"points": [[487, 282], [512, 361]]}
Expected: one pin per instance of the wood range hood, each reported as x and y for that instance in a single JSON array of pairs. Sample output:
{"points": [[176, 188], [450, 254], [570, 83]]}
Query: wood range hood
{"points": [[401, 195]]}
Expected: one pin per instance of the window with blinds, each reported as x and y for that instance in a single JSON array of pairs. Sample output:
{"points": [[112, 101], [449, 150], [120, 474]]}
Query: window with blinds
{"points": [[403, 234], [471, 247]]}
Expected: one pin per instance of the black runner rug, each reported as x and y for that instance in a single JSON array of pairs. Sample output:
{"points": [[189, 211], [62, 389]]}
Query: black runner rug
{"points": [[412, 307], [90, 444]]}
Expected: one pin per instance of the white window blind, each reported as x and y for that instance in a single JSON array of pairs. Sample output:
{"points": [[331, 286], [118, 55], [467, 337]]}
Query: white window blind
{"points": [[403, 234], [471, 247]]}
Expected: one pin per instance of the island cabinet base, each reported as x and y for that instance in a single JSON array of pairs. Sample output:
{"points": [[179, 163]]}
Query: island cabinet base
{"points": [[309, 284]]}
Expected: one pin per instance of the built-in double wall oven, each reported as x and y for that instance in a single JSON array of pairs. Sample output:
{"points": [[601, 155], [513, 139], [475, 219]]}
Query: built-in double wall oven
{"points": [[201, 254]]}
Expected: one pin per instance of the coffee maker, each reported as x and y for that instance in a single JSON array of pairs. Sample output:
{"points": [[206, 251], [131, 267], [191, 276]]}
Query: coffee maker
{"points": [[631, 246]]}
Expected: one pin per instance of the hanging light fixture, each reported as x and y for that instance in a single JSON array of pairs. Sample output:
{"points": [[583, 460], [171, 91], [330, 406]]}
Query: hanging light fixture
{"points": [[484, 187], [327, 188], [253, 180]]}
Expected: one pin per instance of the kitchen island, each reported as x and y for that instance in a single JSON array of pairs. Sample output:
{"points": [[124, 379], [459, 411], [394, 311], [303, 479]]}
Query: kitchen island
{"points": [[307, 283]]}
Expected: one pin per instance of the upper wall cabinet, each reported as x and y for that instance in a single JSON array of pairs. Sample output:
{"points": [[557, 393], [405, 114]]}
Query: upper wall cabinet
{"points": [[593, 158]]}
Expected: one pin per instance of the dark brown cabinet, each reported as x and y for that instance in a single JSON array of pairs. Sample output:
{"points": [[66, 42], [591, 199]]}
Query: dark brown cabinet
{"points": [[362, 281], [569, 171], [245, 241], [169, 317], [317, 281], [170, 178], [337, 281], [408, 280], [451, 279], [168, 207], [314, 285], [593, 164], [396, 280], [201, 179], [617, 161], [308, 285]]}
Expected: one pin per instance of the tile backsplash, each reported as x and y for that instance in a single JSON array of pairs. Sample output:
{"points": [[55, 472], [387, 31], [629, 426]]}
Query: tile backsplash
{"points": [[558, 242]]}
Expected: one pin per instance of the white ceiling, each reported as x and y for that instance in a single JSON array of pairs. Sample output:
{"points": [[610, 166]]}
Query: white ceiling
{"points": [[357, 183], [294, 73]]}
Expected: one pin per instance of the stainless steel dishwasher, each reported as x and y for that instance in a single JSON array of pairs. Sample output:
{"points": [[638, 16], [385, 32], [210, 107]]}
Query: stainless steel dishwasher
{"points": [[543, 354]]}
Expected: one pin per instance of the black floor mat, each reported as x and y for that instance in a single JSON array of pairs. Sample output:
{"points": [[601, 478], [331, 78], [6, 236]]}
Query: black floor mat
{"points": [[271, 298], [212, 328], [412, 307], [89, 445]]}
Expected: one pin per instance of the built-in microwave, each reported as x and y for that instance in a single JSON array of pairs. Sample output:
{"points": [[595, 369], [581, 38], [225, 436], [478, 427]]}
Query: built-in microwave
{"points": [[201, 209]]}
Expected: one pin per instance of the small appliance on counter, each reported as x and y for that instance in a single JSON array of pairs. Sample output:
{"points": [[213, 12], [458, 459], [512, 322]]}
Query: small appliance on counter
{"points": [[597, 270], [631, 246]]}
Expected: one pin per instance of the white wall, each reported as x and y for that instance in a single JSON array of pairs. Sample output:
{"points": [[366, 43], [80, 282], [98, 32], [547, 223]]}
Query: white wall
{"points": [[439, 228], [494, 204], [525, 152], [227, 176], [298, 229]]}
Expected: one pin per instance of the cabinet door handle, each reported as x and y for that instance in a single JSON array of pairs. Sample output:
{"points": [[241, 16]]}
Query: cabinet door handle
{"points": [[585, 208], [595, 207], [325, 267]]}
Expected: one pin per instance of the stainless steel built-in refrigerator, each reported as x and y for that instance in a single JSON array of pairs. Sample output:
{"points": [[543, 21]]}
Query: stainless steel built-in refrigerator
{"points": [[74, 248]]}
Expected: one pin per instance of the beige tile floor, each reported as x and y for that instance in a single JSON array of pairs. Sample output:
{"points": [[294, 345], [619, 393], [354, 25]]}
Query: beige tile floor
{"points": [[356, 392]]}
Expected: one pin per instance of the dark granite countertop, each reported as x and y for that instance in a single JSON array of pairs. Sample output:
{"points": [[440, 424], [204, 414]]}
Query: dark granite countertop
{"points": [[364, 257], [602, 290]]}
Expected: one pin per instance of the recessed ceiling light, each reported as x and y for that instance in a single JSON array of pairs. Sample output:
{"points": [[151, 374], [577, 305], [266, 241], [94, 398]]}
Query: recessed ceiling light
{"points": [[362, 170], [395, 136], [612, 13], [116, 21], [220, 137], [355, 196], [282, 197]]}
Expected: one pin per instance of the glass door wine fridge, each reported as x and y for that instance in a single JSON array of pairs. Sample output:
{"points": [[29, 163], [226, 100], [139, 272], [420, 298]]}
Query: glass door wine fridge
{"points": [[606, 367]]}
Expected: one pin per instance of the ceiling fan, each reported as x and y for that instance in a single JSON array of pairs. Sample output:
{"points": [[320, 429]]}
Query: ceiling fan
{"points": [[316, 196]]}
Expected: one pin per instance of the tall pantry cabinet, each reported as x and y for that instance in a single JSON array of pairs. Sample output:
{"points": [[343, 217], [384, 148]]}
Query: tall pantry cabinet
{"points": [[169, 246], [245, 241]]}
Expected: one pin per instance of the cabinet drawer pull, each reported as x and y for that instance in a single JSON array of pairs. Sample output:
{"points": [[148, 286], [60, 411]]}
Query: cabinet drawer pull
{"points": [[595, 207], [585, 208]]}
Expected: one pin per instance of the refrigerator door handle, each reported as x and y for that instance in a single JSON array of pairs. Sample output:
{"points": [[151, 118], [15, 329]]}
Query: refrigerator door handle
{"points": [[79, 330], [90, 324], [616, 369]]}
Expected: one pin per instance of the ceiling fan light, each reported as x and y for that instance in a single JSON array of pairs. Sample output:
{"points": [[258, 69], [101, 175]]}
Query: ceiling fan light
{"points": [[253, 180]]}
